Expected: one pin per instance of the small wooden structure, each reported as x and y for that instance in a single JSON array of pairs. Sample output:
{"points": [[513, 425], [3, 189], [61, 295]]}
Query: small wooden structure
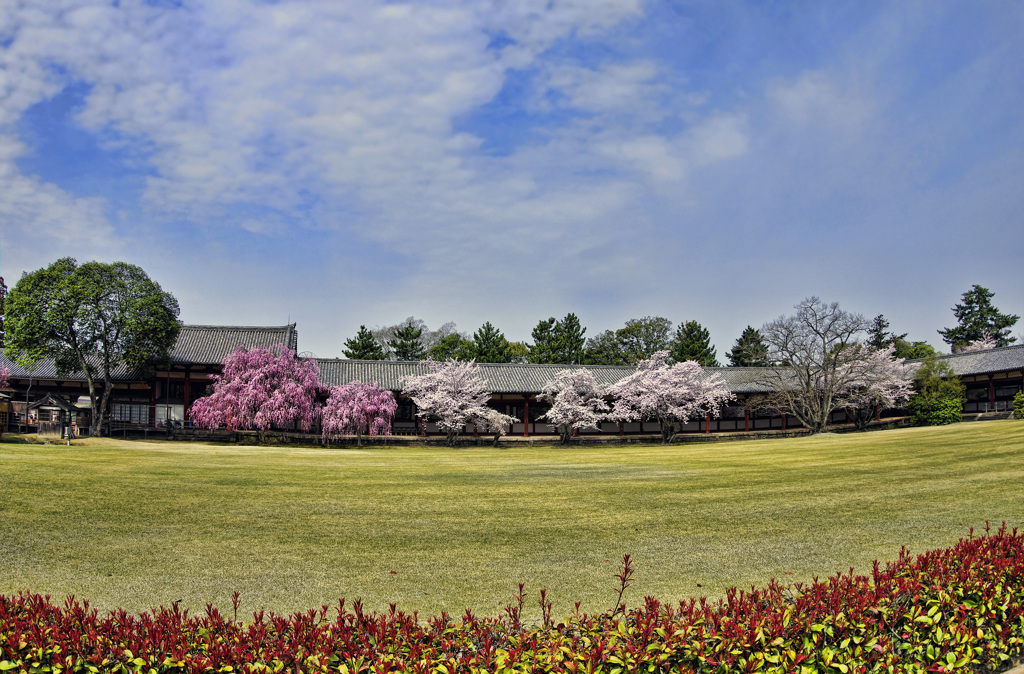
{"points": [[57, 417]]}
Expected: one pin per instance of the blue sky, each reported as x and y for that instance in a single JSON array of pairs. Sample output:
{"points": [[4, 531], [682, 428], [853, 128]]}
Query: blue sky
{"points": [[338, 164]]}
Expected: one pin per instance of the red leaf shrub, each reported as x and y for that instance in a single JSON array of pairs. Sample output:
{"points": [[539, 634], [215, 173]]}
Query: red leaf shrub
{"points": [[956, 609]]}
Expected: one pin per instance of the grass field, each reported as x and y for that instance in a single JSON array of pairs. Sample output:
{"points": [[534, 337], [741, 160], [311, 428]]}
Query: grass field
{"points": [[139, 524]]}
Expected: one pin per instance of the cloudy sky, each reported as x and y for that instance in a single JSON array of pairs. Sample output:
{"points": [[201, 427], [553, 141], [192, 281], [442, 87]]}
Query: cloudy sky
{"points": [[341, 163]]}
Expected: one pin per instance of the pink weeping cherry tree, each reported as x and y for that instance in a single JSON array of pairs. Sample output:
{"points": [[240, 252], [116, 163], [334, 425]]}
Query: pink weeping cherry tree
{"points": [[5, 376], [577, 402], [261, 388], [672, 394], [358, 408]]}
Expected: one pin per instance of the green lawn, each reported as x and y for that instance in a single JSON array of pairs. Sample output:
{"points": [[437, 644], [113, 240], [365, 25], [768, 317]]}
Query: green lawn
{"points": [[138, 524]]}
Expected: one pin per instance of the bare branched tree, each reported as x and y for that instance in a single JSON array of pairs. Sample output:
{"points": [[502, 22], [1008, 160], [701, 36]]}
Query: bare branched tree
{"points": [[817, 352]]}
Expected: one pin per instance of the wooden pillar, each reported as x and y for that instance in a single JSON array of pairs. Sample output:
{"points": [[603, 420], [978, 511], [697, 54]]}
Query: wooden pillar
{"points": [[746, 420], [188, 394], [622, 428], [707, 423], [152, 403], [783, 421], [526, 417], [878, 412], [991, 392]]}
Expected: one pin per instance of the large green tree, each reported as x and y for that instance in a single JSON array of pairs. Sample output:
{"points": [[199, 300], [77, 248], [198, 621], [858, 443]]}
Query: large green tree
{"points": [[641, 338], [91, 319], [749, 350], [453, 346], [364, 346], [692, 341], [604, 349], [490, 345], [978, 319], [407, 342], [940, 395], [559, 342], [879, 336], [912, 350]]}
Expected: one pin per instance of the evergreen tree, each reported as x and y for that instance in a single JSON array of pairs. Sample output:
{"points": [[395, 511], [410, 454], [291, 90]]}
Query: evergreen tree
{"points": [[978, 319], [560, 342], [407, 344], [693, 342], [489, 345], [363, 346], [749, 350], [542, 350], [569, 340], [3, 296], [879, 336]]}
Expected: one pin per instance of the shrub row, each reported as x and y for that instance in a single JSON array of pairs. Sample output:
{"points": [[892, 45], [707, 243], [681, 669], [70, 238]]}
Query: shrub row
{"points": [[955, 609]]}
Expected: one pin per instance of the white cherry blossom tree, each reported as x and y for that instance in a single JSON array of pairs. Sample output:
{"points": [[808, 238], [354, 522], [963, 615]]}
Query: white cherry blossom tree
{"points": [[672, 394], [453, 394], [577, 402]]}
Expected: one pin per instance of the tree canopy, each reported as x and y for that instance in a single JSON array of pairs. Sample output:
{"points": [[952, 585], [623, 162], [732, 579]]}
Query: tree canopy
{"points": [[358, 408], [490, 345], [90, 318], [749, 350], [977, 319], [364, 346], [407, 342], [692, 341], [879, 336], [559, 342], [819, 354]]}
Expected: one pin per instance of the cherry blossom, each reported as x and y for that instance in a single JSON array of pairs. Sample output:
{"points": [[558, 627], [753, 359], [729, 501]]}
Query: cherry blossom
{"points": [[672, 394], [577, 402], [358, 408], [261, 388]]}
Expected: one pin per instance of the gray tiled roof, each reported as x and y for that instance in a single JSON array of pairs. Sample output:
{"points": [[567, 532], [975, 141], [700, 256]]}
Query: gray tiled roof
{"points": [[983, 362], [500, 377], [208, 344]]}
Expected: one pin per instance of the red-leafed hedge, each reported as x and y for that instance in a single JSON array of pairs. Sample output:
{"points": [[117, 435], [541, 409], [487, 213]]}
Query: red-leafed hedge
{"points": [[956, 609]]}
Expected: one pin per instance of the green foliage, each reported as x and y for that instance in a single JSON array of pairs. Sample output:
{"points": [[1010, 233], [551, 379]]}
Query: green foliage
{"points": [[453, 346], [92, 319], [517, 352], [978, 319], [363, 346], [407, 343], [1018, 406], [879, 336], [693, 342], [959, 608], [604, 349], [490, 345], [940, 395], [912, 350], [3, 297], [560, 342], [642, 337], [749, 350]]}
